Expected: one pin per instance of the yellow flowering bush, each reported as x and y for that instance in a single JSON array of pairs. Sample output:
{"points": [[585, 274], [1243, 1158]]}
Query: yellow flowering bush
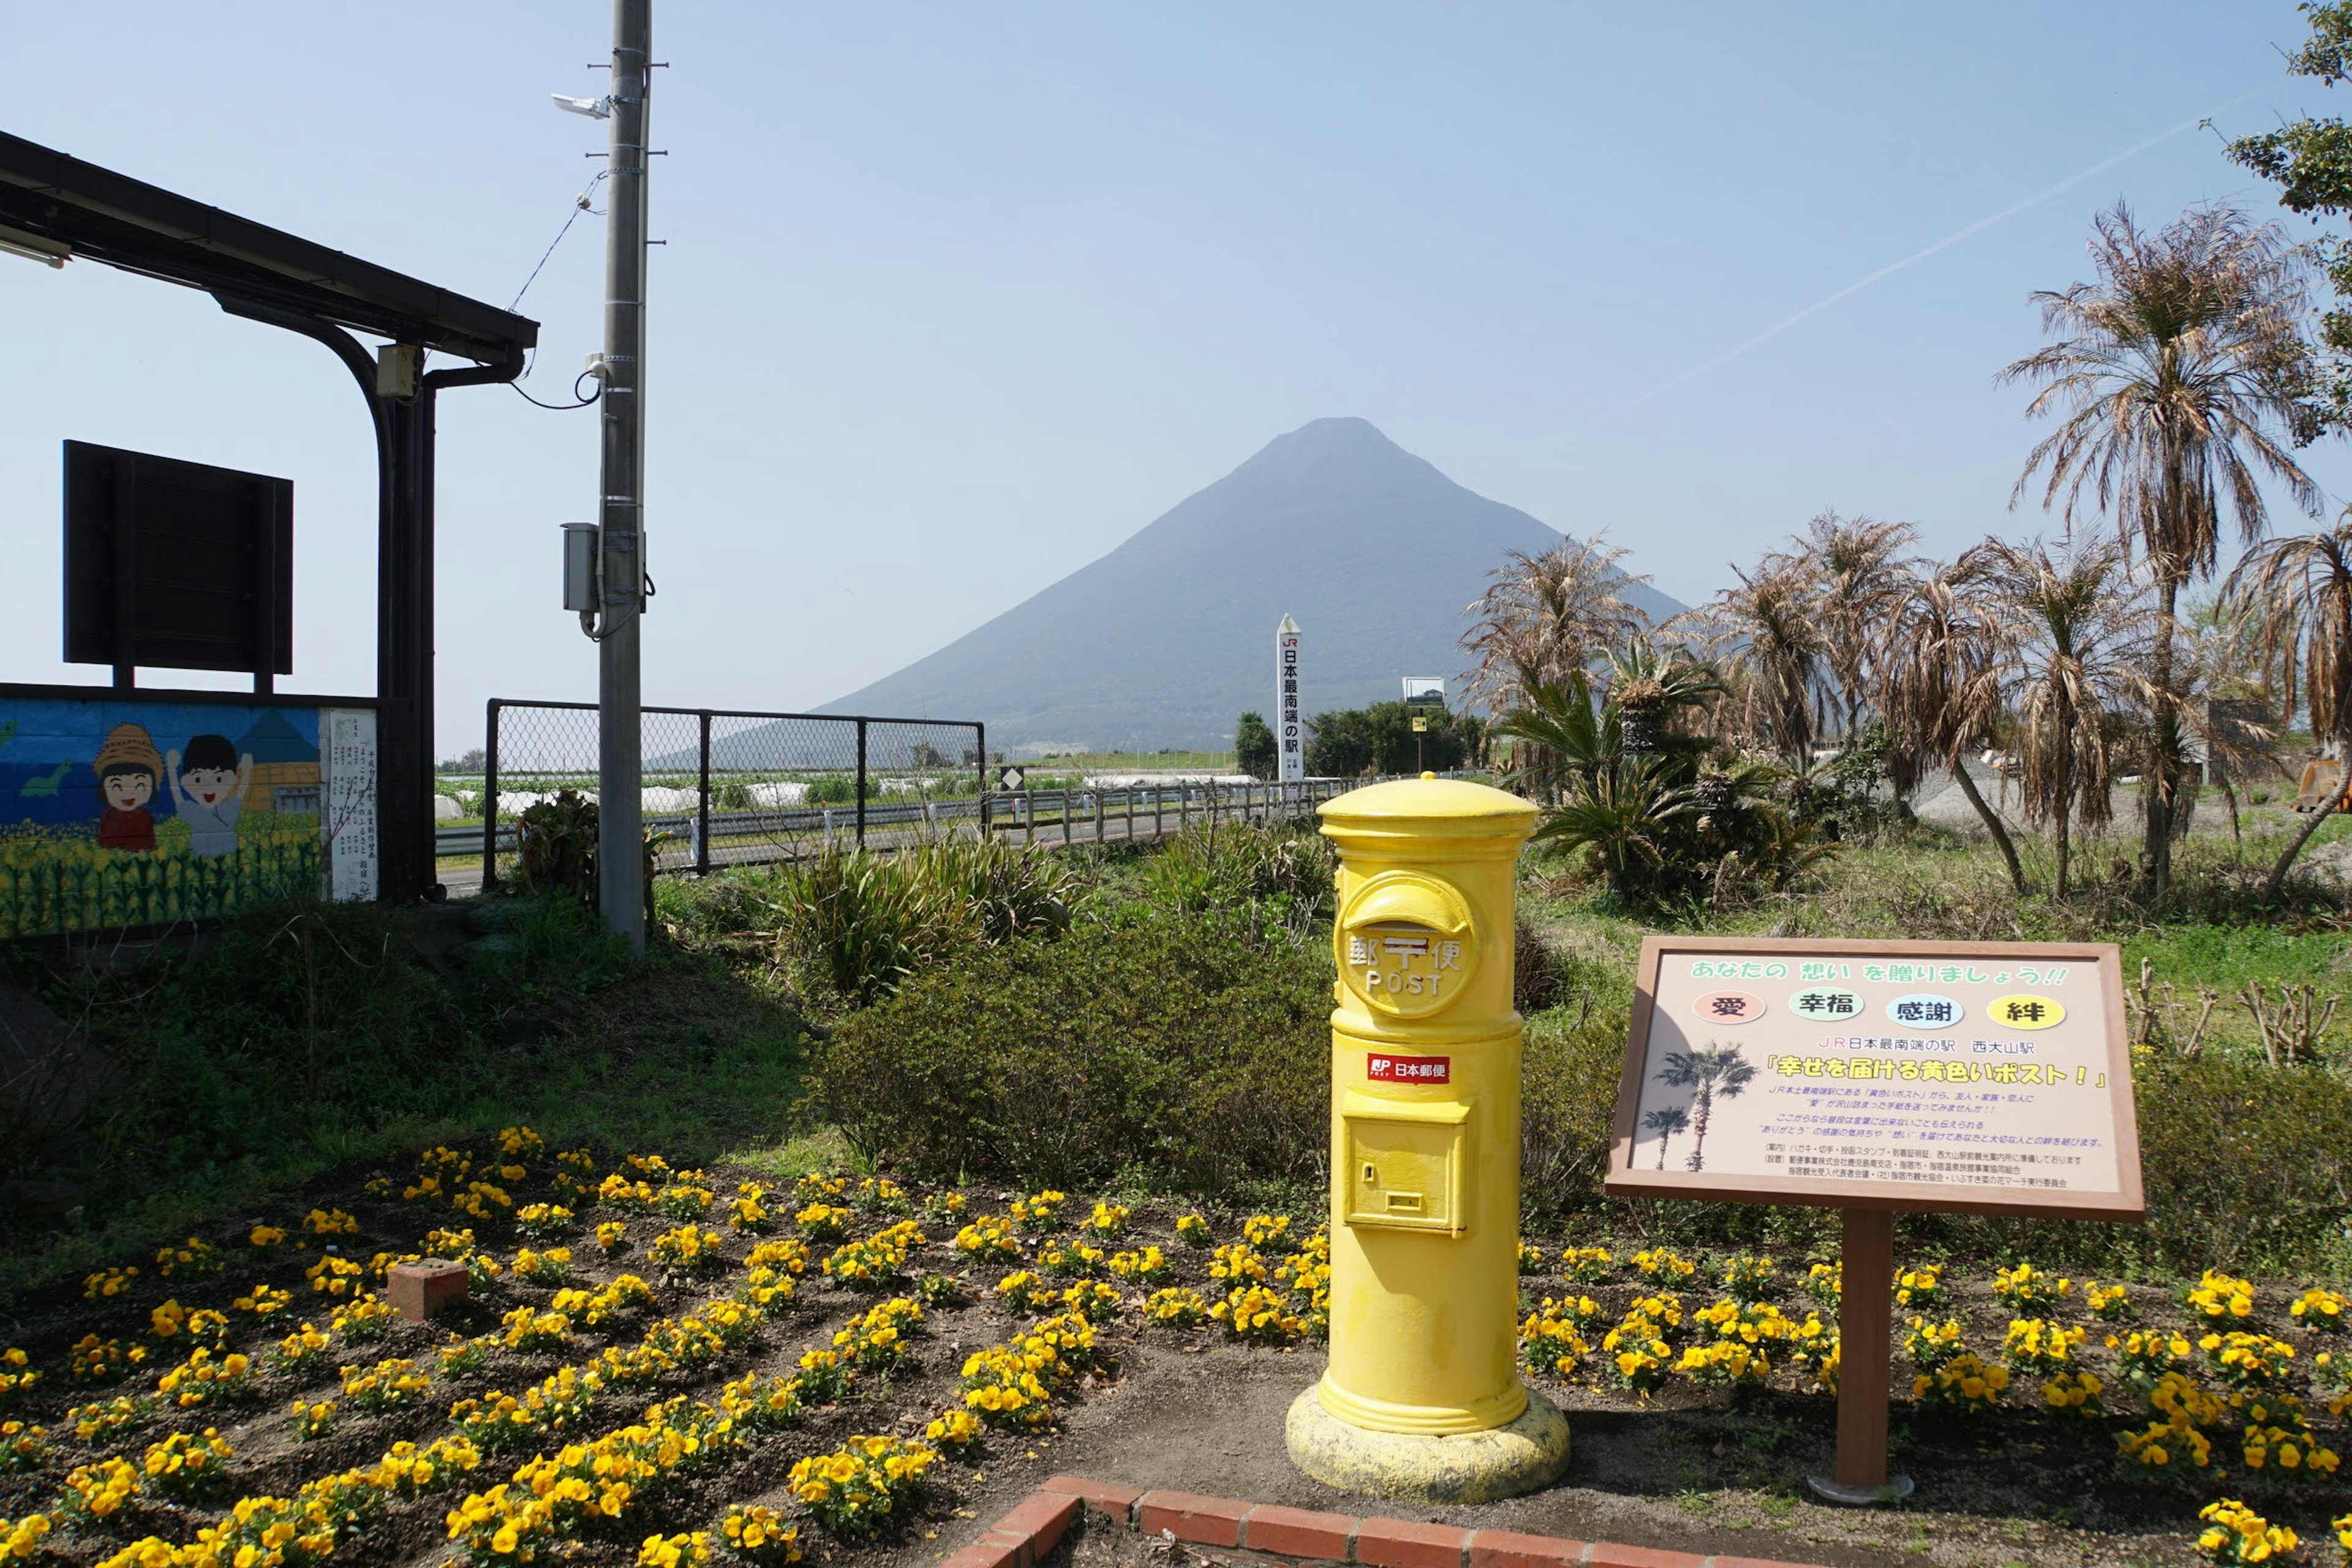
{"points": [[204, 1379], [1192, 1230], [1263, 1230], [1259, 1316], [1641, 1357], [687, 1250], [758, 1409], [335, 1275], [389, 1384], [2220, 1297], [98, 1422], [202, 1326], [855, 1490], [619, 1192], [612, 1236], [1108, 1222], [107, 1283], [543, 1222], [2161, 1445], [298, 1348], [265, 1238], [1586, 1265], [1549, 1341], [96, 1495], [685, 1200], [955, 1432], [947, 1207], [824, 1376], [20, 1540], [16, 1377], [261, 1302], [2286, 1452], [1014, 1384], [1930, 1346], [2108, 1304], [1091, 1300], [626, 1293], [691, 1551], [1960, 1384], [1307, 1273], [330, 1221], [2320, 1311], [313, 1419], [2236, 1533], [363, 1320], [2076, 1391], [1748, 1279], [557, 1495], [876, 1340], [1724, 1362], [2026, 1286], [1826, 1282], [2148, 1354], [553, 1267], [1176, 1307], [1073, 1259], [498, 1422], [637, 1366], [1814, 1345], [879, 1194], [1530, 1259], [1663, 1265], [462, 1357], [749, 1210], [1039, 1211], [877, 1263], [822, 1223], [1147, 1266], [22, 1445], [760, 1537], [1236, 1264], [186, 1466], [2250, 1362], [94, 1360], [2037, 1346], [482, 1200], [194, 1258], [1752, 1323], [1916, 1290], [785, 1255], [1025, 1291]]}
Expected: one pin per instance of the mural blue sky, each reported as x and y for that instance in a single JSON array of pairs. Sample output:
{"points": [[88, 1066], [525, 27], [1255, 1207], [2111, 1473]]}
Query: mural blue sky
{"points": [[955, 299]]}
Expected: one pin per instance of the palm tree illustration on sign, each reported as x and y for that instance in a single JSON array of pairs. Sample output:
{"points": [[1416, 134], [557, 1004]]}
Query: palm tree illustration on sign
{"points": [[1711, 1070], [1665, 1121]]}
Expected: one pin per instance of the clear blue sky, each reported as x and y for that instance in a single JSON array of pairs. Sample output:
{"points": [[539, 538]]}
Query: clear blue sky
{"points": [[957, 296]]}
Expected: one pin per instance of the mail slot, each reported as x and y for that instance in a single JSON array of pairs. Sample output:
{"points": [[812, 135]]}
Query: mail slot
{"points": [[1408, 1164]]}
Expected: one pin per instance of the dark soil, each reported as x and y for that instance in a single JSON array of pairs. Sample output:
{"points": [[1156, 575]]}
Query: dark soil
{"points": [[1693, 1469]]}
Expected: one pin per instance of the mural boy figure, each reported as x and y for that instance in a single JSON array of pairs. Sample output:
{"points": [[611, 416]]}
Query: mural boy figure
{"points": [[127, 768], [208, 792]]}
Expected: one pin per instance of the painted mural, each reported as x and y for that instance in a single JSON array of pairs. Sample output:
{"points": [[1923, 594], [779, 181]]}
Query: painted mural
{"points": [[118, 812]]}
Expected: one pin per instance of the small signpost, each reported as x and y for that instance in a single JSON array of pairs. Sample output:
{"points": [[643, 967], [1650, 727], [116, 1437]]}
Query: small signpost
{"points": [[1872, 1077], [1289, 734]]}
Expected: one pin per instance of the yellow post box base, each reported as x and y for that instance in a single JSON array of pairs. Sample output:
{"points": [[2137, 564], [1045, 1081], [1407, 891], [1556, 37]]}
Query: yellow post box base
{"points": [[1461, 1468]]}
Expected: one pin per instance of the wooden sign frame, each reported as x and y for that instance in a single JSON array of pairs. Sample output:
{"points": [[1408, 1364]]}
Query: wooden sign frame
{"points": [[1627, 1179]]}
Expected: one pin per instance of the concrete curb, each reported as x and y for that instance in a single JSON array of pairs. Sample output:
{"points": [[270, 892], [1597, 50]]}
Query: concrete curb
{"points": [[1031, 1532]]}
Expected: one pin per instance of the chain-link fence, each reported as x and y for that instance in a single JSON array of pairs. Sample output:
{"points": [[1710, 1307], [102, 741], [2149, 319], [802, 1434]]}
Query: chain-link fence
{"points": [[742, 789], [722, 788]]}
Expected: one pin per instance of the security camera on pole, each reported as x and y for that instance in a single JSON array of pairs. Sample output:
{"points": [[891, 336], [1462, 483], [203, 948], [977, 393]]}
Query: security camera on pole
{"points": [[1290, 735]]}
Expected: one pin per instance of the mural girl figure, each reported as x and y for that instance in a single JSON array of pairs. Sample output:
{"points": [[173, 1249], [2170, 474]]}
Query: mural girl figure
{"points": [[208, 792], [127, 768]]}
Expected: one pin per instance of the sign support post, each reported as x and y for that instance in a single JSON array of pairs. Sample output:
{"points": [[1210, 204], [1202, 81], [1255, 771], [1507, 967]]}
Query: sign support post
{"points": [[1865, 1352]]}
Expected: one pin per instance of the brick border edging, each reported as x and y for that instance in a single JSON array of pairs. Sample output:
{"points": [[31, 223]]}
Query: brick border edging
{"points": [[1037, 1525]]}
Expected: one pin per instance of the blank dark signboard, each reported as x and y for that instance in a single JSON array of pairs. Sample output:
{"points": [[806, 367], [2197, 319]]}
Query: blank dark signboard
{"points": [[176, 565]]}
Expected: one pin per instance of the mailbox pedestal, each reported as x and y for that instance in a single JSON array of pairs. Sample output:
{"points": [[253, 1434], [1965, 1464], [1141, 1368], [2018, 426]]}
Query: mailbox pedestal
{"points": [[1423, 1397]]}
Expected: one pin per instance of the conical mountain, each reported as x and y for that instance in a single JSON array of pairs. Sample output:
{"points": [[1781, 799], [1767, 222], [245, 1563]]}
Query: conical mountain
{"points": [[1163, 641]]}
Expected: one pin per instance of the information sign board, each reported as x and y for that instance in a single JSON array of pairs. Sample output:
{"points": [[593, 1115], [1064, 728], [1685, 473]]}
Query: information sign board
{"points": [[1977, 1078]]}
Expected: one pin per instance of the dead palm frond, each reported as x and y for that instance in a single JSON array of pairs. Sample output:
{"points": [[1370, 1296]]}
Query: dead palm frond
{"points": [[1854, 571], [2295, 595], [2176, 378], [1938, 690], [1544, 616], [1762, 638]]}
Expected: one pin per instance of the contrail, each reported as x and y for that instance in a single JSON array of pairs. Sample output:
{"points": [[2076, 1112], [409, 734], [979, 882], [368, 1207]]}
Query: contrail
{"points": [[1946, 243]]}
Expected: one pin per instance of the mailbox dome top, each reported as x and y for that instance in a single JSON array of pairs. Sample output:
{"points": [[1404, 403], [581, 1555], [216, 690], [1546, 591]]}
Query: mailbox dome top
{"points": [[1440, 807]]}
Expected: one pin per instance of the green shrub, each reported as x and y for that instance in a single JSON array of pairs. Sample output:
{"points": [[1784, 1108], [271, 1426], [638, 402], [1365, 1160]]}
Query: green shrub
{"points": [[1234, 864], [1178, 1050]]}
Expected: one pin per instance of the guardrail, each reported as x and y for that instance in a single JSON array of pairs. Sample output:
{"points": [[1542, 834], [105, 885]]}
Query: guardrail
{"points": [[704, 839]]}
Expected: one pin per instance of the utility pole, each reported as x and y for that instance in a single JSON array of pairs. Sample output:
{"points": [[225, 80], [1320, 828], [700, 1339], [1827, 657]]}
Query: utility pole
{"points": [[620, 743]]}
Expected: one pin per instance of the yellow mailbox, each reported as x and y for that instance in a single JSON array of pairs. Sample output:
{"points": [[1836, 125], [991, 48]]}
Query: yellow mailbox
{"points": [[1423, 1397]]}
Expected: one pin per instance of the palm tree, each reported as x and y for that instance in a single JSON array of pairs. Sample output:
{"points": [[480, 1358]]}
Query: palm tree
{"points": [[1666, 1121], [2177, 373], [1938, 669], [1854, 572], [2070, 635], [1546, 616], [1713, 1070], [1763, 635], [2295, 595]]}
